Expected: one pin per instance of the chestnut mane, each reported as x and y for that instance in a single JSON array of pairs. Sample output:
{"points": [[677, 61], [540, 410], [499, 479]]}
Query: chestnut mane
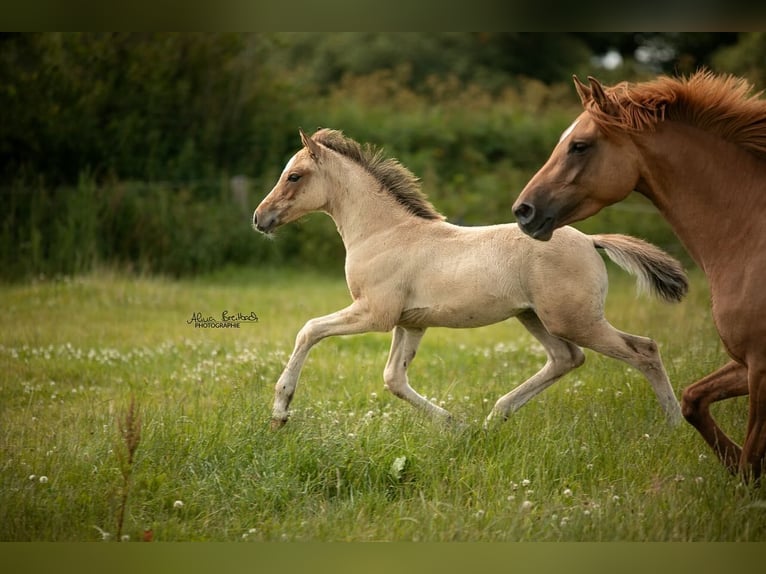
{"points": [[721, 105]]}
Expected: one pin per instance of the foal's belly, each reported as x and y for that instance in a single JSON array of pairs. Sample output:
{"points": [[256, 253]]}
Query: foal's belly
{"points": [[458, 316]]}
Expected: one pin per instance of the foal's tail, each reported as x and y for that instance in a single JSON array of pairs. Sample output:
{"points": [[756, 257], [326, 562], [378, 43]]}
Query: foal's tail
{"points": [[656, 271]]}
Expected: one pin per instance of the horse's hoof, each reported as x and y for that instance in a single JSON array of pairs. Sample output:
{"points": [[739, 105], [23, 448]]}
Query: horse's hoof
{"points": [[277, 424]]}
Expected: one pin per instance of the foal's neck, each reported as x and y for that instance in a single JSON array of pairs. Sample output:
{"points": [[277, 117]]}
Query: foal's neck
{"points": [[361, 208]]}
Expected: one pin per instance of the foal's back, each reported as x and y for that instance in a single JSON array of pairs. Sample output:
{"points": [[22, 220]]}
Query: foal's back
{"points": [[474, 276]]}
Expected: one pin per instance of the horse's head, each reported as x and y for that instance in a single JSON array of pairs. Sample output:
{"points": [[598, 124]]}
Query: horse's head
{"points": [[586, 171], [297, 192]]}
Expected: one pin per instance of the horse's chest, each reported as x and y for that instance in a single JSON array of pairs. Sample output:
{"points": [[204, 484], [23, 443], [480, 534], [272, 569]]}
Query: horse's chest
{"points": [[738, 308]]}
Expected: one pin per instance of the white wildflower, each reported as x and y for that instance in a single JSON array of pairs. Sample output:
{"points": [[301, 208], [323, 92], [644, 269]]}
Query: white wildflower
{"points": [[104, 534], [397, 467]]}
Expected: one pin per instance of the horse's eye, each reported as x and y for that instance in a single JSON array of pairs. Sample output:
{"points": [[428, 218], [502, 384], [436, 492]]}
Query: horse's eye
{"points": [[578, 147], [293, 177]]}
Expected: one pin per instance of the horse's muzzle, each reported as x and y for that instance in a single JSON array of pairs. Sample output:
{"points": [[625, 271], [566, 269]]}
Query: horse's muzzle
{"points": [[534, 222]]}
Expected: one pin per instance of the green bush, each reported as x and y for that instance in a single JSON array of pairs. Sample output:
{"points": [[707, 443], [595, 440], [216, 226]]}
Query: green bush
{"points": [[473, 150], [118, 149]]}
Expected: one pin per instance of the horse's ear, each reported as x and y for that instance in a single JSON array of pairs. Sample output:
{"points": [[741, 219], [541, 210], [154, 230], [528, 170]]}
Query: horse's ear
{"points": [[582, 90], [599, 95], [311, 145]]}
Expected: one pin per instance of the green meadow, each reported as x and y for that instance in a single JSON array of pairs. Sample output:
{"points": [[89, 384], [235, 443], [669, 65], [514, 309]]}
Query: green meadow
{"points": [[121, 420]]}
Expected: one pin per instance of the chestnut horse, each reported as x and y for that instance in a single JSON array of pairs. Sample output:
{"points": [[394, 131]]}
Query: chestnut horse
{"points": [[407, 269], [696, 148]]}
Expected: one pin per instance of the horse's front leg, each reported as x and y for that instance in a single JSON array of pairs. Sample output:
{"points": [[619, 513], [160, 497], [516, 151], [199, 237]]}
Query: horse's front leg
{"points": [[349, 321], [727, 382], [752, 464]]}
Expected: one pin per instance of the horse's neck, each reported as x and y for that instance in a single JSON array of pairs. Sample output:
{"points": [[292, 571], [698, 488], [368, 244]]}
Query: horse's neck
{"points": [[706, 188]]}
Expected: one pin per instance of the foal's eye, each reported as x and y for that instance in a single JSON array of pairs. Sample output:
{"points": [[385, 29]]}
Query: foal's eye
{"points": [[577, 147], [293, 177]]}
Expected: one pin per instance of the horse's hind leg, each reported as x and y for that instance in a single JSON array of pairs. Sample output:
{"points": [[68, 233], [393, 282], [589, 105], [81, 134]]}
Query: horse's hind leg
{"points": [[727, 382], [639, 352], [404, 345], [563, 356]]}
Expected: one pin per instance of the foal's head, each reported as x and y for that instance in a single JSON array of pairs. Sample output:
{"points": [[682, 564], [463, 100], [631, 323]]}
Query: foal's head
{"points": [[587, 170], [298, 191]]}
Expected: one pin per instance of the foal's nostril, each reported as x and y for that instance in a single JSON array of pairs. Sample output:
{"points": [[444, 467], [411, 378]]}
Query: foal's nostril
{"points": [[265, 223], [524, 213]]}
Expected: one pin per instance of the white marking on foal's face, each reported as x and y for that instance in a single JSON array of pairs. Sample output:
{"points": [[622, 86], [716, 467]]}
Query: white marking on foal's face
{"points": [[568, 131], [288, 166]]}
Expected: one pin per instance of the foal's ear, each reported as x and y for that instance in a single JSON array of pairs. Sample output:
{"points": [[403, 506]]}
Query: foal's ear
{"points": [[582, 90], [311, 145]]}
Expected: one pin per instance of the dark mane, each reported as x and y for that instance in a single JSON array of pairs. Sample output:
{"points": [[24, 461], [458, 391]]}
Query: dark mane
{"points": [[400, 182], [720, 105]]}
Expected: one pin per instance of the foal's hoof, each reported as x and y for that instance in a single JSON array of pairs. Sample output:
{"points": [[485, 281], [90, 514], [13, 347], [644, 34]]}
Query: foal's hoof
{"points": [[277, 424], [495, 419]]}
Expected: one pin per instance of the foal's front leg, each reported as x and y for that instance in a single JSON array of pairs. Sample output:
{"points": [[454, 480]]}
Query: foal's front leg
{"points": [[404, 345], [349, 321]]}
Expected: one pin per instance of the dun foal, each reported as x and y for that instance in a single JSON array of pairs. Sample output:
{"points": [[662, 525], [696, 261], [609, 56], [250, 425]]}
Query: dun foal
{"points": [[407, 269]]}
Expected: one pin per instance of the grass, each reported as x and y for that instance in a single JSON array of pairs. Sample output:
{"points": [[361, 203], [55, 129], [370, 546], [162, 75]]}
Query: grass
{"points": [[85, 360]]}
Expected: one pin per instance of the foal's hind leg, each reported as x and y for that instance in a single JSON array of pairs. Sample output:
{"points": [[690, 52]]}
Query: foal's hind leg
{"points": [[404, 345], [563, 357], [639, 352]]}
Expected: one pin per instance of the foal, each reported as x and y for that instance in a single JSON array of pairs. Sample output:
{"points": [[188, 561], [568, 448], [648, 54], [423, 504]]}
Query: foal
{"points": [[407, 269]]}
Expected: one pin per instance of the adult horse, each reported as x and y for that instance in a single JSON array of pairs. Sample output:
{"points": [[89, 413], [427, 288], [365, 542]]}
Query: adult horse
{"points": [[407, 269], [696, 147]]}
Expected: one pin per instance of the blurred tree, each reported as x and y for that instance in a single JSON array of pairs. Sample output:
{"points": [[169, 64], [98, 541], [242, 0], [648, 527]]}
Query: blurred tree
{"points": [[138, 106], [490, 58], [669, 52], [746, 58], [158, 106]]}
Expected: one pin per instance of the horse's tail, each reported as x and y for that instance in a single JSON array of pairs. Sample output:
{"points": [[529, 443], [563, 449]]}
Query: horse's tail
{"points": [[656, 271]]}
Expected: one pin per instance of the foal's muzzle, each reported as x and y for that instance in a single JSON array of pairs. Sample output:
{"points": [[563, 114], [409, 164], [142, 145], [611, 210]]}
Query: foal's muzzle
{"points": [[266, 222]]}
